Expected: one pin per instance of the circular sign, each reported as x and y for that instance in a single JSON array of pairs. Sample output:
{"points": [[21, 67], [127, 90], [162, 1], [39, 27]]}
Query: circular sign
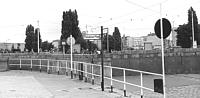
{"points": [[69, 41], [166, 28]]}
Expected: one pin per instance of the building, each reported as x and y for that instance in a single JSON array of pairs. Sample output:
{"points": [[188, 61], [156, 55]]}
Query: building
{"points": [[156, 43], [56, 43], [9, 46], [138, 43], [94, 38], [149, 42]]}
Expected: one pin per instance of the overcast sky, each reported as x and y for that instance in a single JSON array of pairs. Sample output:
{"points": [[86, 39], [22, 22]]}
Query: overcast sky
{"points": [[133, 17]]}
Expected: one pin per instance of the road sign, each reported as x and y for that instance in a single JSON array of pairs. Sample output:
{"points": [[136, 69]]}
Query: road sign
{"points": [[69, 41], [166, 28], [63, 43]]}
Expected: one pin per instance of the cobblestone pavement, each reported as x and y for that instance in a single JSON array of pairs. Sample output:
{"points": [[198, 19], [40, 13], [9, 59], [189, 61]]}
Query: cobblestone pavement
{"points": [[177, 86], [61, 86], [52, 85]]}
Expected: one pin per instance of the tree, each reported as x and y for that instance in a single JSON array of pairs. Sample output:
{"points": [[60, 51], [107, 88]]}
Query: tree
{"points": [[70, 26], [46, 46], [195, 23], [29, 38], [110, 42], [184, 36], [91, 46], [12, 48], [35, 43], [117, 39]]}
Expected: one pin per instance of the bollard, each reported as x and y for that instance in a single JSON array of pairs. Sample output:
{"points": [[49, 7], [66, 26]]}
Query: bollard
{"points": [[66, 73], [124, 82], [111, 88], [71, 75], [124, 93], [141, 83], [158, 85], [81, 71]]}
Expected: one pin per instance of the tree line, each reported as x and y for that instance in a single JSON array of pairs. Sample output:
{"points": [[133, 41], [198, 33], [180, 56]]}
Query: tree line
{"points": [[70, 24]]}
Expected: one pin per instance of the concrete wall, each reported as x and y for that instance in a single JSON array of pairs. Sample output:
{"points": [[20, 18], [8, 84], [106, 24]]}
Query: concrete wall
{"points": [[176, 62]]}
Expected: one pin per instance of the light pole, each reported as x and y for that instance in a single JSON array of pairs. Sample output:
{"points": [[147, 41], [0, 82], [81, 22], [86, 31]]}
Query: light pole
{"points": [[38, 37], [193, 42]]}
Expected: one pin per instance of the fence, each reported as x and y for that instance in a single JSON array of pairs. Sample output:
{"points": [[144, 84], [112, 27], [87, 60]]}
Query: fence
{"points": [[87, 70]]}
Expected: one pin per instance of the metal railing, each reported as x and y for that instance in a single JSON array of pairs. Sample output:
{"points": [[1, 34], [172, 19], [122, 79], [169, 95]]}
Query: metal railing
{"points": [[87, 69]]}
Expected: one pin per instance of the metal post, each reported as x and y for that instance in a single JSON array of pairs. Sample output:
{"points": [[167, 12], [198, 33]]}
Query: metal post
{"points": [[48, 66], [58, 67], [124, 82], [141, 83], [111, 82], [75, 69], [85, 72], [66, 69], [31, 65], [163, 59], [20, 64], [102, 66], [92, 75], [40, 65], [107, 41], [71, 56]]}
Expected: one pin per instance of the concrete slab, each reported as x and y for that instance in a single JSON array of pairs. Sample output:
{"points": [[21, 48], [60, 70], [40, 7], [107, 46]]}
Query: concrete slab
{"points": [[22, 87]]}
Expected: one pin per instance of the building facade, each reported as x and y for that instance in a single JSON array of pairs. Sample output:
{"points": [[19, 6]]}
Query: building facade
{"points": [[10, 46], [149, 42]]}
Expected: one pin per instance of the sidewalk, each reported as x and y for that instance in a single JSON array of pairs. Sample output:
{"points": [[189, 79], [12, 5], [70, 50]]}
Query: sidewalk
{"points": [[26, 84]]}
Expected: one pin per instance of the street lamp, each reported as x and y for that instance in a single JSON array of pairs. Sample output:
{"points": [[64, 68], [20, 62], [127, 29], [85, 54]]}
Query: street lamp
{"points": [[193, 42]]}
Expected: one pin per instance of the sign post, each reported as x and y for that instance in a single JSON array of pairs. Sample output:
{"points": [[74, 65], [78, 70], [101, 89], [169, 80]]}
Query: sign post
{"points": [[71, 41], [162, 29], [63, 43], [102, 66]]}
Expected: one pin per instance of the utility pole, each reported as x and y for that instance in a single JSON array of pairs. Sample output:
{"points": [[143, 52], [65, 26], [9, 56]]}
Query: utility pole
{"points": [[38, 37]]}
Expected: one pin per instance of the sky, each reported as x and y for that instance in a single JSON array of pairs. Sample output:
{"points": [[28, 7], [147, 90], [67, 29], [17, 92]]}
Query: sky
{"points": [[133, 17]]}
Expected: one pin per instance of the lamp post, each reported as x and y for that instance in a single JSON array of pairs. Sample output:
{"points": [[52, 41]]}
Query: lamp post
{"points": [[193, 42], [38, 39]]}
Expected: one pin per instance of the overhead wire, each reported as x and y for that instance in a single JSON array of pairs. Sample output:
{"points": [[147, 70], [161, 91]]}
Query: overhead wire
{"points": [[133, 12]]}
